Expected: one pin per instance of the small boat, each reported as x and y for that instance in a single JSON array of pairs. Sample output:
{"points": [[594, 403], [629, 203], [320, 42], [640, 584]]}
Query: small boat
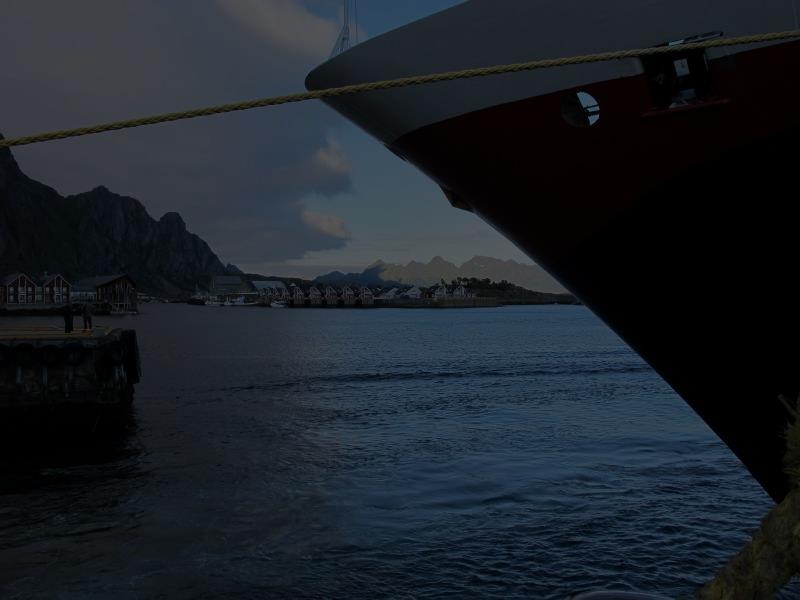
{"points": [[278, 304], [240, 301], [218, 303]]}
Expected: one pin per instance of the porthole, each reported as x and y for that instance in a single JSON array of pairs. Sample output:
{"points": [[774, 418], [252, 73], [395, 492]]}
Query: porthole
{"points": [[580, 109]]}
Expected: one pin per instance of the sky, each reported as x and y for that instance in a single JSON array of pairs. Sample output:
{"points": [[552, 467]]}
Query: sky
{"points": [[292, 190]]}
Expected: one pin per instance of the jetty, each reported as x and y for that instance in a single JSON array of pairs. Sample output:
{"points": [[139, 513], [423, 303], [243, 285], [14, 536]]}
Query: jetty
{"points": [[49, 378]]}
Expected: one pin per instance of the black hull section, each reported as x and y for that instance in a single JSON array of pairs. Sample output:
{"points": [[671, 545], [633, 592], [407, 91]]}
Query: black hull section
{"points": [[700, 278]]}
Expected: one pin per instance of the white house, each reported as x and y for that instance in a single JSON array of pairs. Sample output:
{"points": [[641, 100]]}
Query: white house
{"points": [[367, 297], [298, 297], [315, 296], [389, 294], [274, 290], [331, 296], [348, 296], [440, 291], [415, 293]]}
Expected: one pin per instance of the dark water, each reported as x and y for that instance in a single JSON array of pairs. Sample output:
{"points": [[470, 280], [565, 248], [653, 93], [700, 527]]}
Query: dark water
{"points": [[492, 453]]}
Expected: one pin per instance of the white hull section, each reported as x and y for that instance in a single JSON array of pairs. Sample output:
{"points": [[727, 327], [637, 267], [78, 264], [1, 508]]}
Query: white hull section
{"points": [[489, 32]]}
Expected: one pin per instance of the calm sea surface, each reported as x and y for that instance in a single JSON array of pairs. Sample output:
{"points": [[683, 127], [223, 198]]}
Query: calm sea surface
{"points": [[517, 452]]}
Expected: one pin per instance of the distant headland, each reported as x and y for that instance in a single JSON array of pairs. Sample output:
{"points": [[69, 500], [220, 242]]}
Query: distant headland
{"points": [[379, 273], [99, 232]]}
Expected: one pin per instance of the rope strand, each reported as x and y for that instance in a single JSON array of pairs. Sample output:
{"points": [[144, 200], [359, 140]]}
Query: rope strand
{"points": [[395, 84]]}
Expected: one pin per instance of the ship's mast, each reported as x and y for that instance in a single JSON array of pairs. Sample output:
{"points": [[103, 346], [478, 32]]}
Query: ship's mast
{"points": [[355, 19], [343, 41]]}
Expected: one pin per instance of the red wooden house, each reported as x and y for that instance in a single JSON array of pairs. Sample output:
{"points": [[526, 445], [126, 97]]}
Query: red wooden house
{"points": [[19, 289], [119, 291], [56, 290]]}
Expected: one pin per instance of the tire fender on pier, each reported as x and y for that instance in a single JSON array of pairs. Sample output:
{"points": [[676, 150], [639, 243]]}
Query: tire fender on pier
{"points": [[73, 354], [24, 355], [6, 356], [132, 362], [50, 355]]}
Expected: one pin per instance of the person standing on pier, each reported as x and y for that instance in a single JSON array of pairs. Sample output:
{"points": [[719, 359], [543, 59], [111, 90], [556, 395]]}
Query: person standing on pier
{"points": [[67, 312], [88, 311]]}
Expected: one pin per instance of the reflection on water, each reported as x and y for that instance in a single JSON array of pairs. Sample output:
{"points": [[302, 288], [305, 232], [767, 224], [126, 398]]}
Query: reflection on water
{"points": [[511, 453], [37, 456]]}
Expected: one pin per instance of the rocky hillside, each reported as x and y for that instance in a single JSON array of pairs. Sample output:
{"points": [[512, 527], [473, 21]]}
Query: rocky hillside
{"points": [[531, 277], [96, 233]]}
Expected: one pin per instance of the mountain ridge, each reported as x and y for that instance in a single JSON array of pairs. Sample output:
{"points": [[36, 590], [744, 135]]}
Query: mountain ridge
{"points": [[96, 233], [531, 277]]}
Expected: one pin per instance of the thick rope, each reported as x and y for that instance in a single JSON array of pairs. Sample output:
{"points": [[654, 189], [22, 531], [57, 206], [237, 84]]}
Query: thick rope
{"points": [[767, 563], [398, 83], [772, 557]]}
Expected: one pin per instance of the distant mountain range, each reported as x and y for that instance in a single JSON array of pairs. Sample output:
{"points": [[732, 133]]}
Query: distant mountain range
{"points": [[96, 233], [101, 233], [531, 277]]}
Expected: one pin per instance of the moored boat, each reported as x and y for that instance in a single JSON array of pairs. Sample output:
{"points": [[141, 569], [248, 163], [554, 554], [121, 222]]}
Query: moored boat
{"points": [[240, 301]]}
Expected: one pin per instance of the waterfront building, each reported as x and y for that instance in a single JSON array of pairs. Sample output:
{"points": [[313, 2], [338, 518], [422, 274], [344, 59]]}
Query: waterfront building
{"points": [[390, 294], [460, 292], [230, 285], [348, 296], [84, 291], [414, 293], [56, 289], [298, 297], [367, 297], [331, 296], [274, 290], [19, 289], [440, 291], [314, 296], [119, 291]]}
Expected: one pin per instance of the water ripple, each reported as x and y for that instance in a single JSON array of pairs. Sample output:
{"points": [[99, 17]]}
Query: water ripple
{"points": [[513, 453]]}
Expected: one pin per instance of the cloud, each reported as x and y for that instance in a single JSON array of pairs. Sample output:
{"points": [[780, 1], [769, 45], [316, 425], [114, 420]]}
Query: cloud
{"points": [[332, 158], [326, 224], [326, 170], [292, 235], [239, 180], [287, 24]]}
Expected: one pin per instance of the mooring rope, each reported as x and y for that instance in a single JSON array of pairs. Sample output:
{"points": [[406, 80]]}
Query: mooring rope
{"points": [[772, 557], [398, 83]]}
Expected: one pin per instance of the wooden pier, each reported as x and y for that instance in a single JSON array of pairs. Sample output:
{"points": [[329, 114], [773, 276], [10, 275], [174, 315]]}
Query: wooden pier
{"points": [[49, 378]]}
